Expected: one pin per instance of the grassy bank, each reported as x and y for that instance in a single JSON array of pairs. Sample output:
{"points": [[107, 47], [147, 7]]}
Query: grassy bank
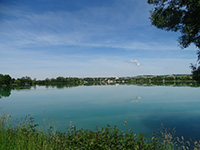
{"points": [[28, 136]]}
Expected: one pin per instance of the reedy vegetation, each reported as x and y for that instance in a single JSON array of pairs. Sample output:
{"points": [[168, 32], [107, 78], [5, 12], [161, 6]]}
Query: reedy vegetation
{"points": [[27, 136]]}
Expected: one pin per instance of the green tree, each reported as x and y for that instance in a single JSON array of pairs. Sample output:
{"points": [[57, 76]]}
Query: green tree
{"points": [[179, 15], [17, 82], [1, 79], [25, 81], [5, 80], [196, 73]]}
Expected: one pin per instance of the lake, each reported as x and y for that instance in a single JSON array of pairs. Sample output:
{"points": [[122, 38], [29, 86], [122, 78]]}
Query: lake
{"points": [[143, 107]]}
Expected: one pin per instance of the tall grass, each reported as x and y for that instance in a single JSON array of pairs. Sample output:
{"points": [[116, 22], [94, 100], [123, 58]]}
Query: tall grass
{"points": [[27, 136]]}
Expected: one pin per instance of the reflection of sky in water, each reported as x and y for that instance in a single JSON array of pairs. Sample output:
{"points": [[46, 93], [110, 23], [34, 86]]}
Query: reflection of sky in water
{"points": [[144, 108]]}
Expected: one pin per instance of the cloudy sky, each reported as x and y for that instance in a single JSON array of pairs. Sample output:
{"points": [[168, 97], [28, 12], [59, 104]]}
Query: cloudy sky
{"points": [[81, 38]]}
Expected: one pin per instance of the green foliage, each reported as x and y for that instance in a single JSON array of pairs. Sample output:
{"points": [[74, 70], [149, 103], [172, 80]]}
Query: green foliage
{"points": [[196, 73], [26, 136], [174, 80], [24, 81], [179, 15], [61, 82], [5, 80]]}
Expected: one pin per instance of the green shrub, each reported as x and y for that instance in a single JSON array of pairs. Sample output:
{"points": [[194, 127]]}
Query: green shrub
{"points": [[26, 136]]}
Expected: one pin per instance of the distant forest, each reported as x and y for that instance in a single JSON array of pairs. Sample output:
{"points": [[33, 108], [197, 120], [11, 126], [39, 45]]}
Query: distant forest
{"points": [[7, 80]]}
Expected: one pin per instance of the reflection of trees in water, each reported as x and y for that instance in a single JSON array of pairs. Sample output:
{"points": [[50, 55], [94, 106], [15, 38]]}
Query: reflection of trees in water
{"points": [[5, 92]]}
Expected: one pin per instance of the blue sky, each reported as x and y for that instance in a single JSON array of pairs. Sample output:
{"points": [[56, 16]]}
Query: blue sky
{"points": [[86, 38]]}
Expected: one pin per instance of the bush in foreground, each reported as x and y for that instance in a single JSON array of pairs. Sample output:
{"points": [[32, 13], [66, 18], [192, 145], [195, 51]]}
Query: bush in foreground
{"points": [[25, 137]]}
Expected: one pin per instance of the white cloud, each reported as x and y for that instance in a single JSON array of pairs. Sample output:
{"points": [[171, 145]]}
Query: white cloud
{"points": [[135, 62]]}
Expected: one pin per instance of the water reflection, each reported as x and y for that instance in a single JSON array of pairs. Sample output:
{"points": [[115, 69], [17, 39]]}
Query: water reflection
{"points": [[6, 91], [91, 106], [136, 100]]}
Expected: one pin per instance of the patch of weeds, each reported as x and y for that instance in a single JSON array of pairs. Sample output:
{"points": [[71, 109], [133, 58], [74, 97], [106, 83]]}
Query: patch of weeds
{"points": [[27, 136]]}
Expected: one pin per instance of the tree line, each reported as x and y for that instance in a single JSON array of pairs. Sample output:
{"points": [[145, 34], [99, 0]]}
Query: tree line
{"points": [[7, 83], [7, 80]]}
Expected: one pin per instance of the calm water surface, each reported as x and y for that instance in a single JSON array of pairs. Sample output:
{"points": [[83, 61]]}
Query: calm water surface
{"points": [[144, 108]]}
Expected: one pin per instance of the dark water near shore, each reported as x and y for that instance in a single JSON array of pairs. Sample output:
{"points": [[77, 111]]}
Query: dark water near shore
{"points": [[143, 107]]}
